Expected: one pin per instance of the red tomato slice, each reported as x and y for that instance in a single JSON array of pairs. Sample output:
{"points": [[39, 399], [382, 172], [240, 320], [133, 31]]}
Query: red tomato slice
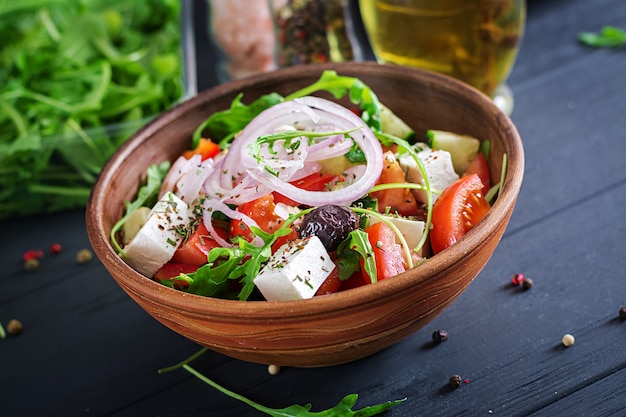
{"points": [[387, 253], [479, 167], [314, 182], [356, 280], [206, 148], [457, 210], [195, 250], [173, 269], [262, 211], [331, 284]]}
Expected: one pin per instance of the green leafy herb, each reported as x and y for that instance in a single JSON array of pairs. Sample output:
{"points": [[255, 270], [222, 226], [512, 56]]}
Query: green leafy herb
{"points": [[223, 125], [3, 333], [147, 196], [339, 86], [343, 409], [350, 252], [241, 263], [493, 192], [609, 37], [78, 77]]}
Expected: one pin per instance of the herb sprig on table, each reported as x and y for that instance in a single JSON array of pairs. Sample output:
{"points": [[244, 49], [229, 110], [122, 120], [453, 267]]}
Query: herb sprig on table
{"points": [[608, 37], [68, 71], [343, 409]]}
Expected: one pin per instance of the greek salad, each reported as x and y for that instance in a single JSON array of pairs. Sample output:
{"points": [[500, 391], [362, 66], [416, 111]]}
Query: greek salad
{"points": [[294, 197]]}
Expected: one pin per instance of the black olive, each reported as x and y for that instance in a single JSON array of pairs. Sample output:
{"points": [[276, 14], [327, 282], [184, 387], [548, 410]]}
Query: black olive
{"points": [[330, 223]]}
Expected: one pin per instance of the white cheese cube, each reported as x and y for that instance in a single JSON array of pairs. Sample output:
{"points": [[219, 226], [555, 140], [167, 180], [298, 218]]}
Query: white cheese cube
{"points": [[295, 271], [438, 167], [157, 240], [411, 230]]}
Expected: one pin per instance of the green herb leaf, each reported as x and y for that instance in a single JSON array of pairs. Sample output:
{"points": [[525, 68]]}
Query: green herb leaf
{"points": [[223, 125], [78, 77], [609, 37], [241, 263], [339, 86], [343, 409], [350, 252]]}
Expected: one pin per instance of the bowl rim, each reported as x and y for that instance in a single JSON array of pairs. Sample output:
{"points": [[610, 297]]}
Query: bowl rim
{"points": [[327, 304]]}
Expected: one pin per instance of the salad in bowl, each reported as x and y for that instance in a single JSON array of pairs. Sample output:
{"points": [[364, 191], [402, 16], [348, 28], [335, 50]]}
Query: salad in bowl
{"points": [[292, 197]]}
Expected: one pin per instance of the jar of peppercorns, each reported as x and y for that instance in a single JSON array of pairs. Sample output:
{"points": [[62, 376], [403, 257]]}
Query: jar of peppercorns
{"points": [[313, 31]]}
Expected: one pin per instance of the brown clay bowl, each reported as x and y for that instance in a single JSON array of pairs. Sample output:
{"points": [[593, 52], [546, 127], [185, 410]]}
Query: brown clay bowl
{"points": [[330, 329]]}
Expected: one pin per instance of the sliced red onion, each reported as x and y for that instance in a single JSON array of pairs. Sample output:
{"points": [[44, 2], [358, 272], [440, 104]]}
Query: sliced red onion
{"points": [[190, 185], [239, 176], [176, 171]]}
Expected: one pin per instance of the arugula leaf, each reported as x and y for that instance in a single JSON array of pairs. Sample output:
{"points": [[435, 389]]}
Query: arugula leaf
{"points": [[350, 252], [146, 196], [342, 409], [339, 86], [223, 125], [212, 278], [241, 263], [78, 78], [249, 270], [609, 36]]}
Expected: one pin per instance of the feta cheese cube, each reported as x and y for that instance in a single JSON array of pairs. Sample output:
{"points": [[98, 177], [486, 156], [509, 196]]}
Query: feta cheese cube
{"points": [[438, 167], [411, 230], [295, 271], [157, 240]]}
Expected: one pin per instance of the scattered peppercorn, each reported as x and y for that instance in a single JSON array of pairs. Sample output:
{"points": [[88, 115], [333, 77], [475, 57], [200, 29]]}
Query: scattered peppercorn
{"points": [[84, 256], [527, 283], [14, 327], [55, 248], [273, 369], [32, 254], [455, 381], [517, 279], [31, 264], [568, 340], [440, 335], [622, 313]]}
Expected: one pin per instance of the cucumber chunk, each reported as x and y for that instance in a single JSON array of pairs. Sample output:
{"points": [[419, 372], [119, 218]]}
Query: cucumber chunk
{"points": [[462, 148], [393, 125]]}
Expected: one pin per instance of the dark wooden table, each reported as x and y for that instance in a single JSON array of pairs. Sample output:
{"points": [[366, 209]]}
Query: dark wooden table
{"points": [[88, 350]]}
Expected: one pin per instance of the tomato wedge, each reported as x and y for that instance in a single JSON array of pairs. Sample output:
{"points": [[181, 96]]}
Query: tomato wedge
{"points": [[197, 246], [398, 200], [457, 210], [387, 253], [479, 167], [314, 182], [262, 211], [206, 149]]}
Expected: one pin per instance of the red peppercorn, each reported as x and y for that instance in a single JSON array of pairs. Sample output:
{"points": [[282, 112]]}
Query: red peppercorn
{"points": [[517, 279], [55, 248], [32, 254]]}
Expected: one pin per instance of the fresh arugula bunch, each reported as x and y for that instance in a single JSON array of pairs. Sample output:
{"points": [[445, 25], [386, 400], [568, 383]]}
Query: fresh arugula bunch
{"points": [[77, 78], [343, 409]]}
